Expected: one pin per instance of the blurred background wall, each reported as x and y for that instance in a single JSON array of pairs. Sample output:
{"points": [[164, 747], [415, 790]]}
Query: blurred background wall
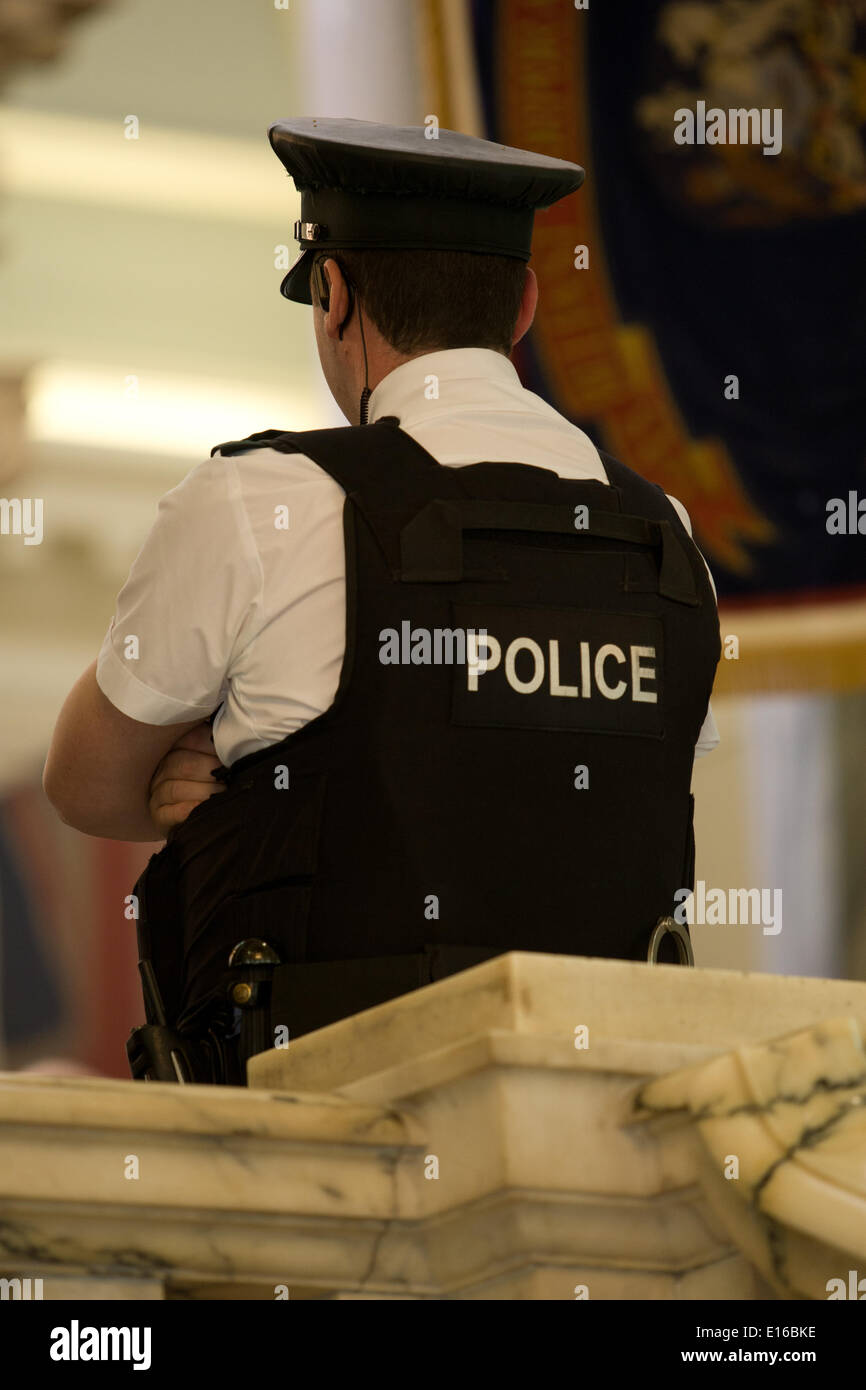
{"points": [[141, 324]]}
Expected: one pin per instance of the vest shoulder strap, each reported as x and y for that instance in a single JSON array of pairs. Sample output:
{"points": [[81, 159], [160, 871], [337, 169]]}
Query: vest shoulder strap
{"points": [[353, 455], [639, 493], [651, 500]]}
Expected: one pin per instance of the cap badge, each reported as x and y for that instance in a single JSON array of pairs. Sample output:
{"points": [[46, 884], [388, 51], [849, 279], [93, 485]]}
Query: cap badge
{"points": [[309, 231]]}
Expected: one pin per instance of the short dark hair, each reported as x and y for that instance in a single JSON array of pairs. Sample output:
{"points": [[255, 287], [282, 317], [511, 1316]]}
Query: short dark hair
{"points": [[425, 301]]}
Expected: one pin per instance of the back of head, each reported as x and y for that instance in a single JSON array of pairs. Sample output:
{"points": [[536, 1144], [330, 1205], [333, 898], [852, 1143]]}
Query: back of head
{"points": [[430, 300]]}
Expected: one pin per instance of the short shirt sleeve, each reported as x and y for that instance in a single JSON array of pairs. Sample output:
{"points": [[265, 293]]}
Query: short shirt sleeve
{"points": [[190, 600]]}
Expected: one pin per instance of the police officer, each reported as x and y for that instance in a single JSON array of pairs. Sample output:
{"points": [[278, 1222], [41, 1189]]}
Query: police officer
{"points": [[461, 660]]}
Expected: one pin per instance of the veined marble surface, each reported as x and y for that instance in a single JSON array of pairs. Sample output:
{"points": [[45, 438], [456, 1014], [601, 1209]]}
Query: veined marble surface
{"points": [[638, 1019], [784, 1129], [475, 1140]]}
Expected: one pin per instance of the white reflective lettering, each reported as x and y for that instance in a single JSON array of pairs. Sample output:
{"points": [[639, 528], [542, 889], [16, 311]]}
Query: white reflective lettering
{"points": [[555, 687], [585, 680], [478, 665], [524, 644], [610, 692], [639, 673]]}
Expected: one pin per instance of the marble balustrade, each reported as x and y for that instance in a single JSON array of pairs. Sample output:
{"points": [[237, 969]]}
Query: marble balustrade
{"points": [[539, 1127]]}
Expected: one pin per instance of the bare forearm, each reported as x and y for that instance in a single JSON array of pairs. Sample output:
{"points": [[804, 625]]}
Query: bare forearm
{"points": [[100, 765]]}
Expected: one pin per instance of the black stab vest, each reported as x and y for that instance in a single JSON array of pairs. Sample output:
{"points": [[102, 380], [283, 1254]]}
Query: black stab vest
{"points": [[538, 801]]}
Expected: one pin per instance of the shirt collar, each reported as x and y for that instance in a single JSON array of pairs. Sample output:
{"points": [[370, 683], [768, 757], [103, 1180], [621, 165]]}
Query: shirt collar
{"points": [[405, 391]]}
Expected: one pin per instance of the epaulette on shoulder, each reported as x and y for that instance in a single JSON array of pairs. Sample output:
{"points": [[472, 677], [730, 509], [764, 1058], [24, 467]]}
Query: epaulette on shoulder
{"points": [[261, 440]]}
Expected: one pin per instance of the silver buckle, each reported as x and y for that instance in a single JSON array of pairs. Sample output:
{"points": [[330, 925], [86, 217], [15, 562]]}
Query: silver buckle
{"points": [[309, 231]]}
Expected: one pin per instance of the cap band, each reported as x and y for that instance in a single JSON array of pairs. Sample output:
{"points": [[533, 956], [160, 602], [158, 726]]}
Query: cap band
{"points": [[337, 219]]}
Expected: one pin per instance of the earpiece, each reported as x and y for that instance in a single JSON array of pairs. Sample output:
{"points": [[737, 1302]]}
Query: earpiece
{"points": [[323, 290], [323, 285]]}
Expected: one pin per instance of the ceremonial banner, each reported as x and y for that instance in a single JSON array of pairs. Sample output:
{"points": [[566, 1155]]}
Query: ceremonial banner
{"points": [[703, 297]]}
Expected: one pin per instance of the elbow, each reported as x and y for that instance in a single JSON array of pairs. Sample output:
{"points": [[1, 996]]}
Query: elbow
{"points": [[58, 792], [63, 809], [83, 811], [76, 818], [50, 787]]}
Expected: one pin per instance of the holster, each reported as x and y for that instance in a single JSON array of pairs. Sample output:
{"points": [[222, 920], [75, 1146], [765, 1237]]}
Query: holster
{"points": [[158, 1053], [198, 1049]]}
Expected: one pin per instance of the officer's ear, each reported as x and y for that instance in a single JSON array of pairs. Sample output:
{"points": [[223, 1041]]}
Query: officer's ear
{"points": [[332, 293], [528, 304]]}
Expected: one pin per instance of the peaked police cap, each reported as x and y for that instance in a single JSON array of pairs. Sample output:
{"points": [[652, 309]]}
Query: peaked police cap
{"points": [[365, 185]]}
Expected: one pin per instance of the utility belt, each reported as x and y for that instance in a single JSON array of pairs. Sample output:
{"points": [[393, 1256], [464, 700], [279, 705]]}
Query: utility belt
{"points": [[263, 1003]]}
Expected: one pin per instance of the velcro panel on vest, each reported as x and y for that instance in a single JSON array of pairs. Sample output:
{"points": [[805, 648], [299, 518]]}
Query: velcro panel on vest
{"points": [[431, 544]]}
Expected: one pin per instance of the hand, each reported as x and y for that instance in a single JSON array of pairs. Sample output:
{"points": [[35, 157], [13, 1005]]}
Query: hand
{"points": [[182, 779]]}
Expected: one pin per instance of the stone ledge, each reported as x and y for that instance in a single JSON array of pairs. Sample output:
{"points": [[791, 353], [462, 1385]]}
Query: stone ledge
{"points": [[455, 1144], [533, 995]]}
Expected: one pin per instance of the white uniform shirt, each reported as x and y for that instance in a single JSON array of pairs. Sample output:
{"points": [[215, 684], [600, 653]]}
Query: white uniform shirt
{"points": [[228, 606]]}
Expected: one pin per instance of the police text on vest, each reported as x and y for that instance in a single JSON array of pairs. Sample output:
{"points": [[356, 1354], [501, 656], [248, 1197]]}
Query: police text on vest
{"points": [[561, 668], [607, 670]]}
